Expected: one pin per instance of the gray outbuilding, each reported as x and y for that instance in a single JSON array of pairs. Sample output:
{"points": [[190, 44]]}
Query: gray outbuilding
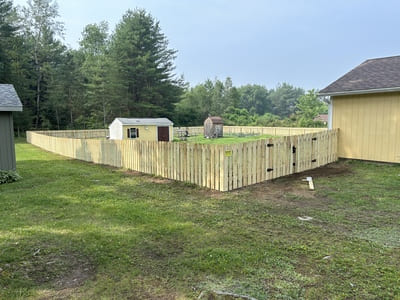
{"points": [[213, 127], [9, 102]]}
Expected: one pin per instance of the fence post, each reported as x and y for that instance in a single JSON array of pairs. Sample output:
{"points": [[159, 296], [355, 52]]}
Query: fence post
{"points": [[223, 172]]}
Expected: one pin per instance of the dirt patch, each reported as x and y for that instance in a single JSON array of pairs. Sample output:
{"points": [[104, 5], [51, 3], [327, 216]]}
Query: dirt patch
{"points": [[288, 195], [292, 192], [335, 169], [159, 180], [162, 249], [59, 270], [148, 177]]}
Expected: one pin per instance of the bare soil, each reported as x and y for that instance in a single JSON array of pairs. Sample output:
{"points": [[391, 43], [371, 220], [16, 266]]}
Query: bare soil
{"points": [[291, 191], [60, 270]]}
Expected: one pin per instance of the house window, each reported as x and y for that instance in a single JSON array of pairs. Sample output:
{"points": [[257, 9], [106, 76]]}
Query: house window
{"points": [[133, 133]]}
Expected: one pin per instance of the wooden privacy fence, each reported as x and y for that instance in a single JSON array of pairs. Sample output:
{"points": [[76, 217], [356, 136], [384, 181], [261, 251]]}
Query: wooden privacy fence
{"points": [[277, 131], [219, 167]]}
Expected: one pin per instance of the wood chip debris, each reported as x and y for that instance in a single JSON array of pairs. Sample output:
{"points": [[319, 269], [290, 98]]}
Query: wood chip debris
{"points": [[305, 218]]}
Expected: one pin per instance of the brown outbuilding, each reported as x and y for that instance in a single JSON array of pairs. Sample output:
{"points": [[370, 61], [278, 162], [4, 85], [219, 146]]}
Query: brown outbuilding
{"points": [[213, 127], [365, 106]]}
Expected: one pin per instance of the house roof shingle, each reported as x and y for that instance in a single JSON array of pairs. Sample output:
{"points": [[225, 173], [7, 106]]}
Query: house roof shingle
{"points": [[373, 75], [9, 100]]}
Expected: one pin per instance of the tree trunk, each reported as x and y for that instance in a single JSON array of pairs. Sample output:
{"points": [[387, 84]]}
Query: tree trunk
{"points": [[58, 119], [39, 79], [104, 114]]}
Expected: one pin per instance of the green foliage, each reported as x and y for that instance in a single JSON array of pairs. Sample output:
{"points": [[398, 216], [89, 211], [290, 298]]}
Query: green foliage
{"points": [[237, 116], [284, 99], [8, 28], [196, 105], [41, 32], [208, 98], [255, 98], [309, 107], [269, 120], [95, 69], [143, 66], [8, 176], [126, 73], [245, 105]]}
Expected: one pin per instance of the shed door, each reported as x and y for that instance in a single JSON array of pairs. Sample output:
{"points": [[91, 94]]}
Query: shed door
{"points": [[163, 134]]}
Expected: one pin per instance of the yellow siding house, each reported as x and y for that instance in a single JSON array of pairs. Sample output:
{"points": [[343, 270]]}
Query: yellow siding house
{"points": [[365, 106], [150, 129]]}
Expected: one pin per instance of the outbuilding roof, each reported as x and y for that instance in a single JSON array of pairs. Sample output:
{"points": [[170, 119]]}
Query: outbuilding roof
{"points": [[145, 121], [216, 120], [372, 76], [9, 100]]}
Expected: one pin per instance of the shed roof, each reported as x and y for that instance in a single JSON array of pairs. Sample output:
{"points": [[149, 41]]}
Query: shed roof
{"points": [[372, 76], [216, 120], [145, 121], [9, 100]]}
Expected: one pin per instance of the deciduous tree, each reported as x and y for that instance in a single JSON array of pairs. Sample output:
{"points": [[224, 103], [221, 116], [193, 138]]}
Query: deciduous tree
{"points": [[308, 107]]}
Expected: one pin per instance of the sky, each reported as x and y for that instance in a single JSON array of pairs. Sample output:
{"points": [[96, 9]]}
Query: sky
{"points": [[306, 43]]}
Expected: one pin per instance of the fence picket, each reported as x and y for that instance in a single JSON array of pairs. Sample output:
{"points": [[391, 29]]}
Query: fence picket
{"points": [[214, 166]]}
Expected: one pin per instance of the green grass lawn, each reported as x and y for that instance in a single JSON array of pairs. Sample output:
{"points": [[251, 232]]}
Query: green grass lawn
{"points": [[71, 229], [227, 139]]}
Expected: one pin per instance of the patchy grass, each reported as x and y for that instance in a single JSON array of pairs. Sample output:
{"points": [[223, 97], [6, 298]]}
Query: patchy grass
{"points": [[71, 229], [227, 139]]}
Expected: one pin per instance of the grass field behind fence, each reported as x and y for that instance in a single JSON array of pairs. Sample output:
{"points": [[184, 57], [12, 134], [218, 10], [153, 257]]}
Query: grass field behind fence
{"points": [[273, 131], [227, 139]]}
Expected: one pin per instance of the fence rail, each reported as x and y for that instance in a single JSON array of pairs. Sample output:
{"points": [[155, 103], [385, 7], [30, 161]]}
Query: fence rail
{"points": [[277, 131], [76, 134], [219, 167]]}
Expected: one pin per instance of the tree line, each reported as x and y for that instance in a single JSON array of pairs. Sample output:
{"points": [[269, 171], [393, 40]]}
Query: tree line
{"points": [[126, 72], [250, 104]]}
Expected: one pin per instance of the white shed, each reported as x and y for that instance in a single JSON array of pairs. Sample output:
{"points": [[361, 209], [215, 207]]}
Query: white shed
{"points": [[149, 129]]}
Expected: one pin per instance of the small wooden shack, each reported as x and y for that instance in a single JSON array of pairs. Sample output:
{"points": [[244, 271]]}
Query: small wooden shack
{"points": [[150, 129], [365, 106], [9, 102], [213, 127]]}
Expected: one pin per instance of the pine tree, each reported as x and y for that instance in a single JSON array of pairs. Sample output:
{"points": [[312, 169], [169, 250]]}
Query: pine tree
{"points": [[95, 69], [7, 34], [143, 66], [41, 32]]}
